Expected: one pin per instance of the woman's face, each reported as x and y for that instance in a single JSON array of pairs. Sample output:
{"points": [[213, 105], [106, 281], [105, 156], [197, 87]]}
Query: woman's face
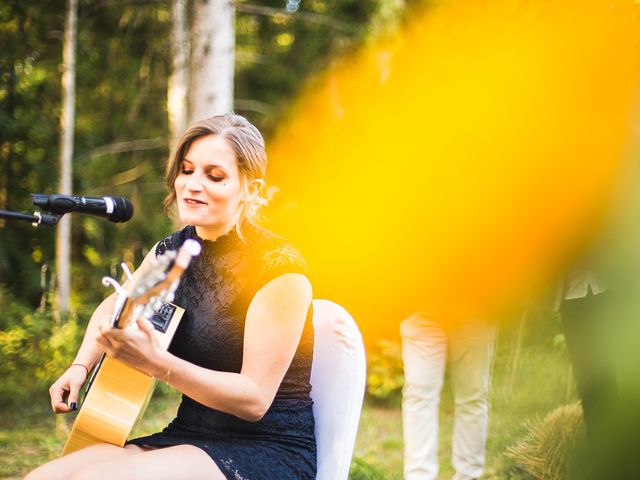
{"points": [[208, 187]]}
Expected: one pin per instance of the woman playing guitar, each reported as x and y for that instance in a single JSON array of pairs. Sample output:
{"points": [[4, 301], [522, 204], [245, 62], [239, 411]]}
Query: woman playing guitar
{"points": [[242, 352]]}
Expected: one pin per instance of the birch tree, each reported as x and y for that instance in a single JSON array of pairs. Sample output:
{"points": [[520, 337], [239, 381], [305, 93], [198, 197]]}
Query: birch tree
{"points": [[67, 120], [212, 59], [179, 79]]}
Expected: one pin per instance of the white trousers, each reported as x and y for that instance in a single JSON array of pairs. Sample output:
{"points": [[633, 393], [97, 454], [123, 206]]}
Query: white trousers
{"points": [[427, 346]]}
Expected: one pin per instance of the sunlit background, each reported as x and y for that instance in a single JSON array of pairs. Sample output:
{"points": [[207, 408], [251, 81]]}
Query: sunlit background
{"points": [[457, 165], [455, 157]]}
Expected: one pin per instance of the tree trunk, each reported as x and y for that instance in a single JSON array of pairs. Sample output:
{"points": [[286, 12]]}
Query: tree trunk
{"points": [[212, 59], [179, 79], [67, 120]]}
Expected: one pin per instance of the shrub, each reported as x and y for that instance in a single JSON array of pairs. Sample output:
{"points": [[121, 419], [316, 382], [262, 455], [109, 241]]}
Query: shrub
{"points": [[385, 377], [35, 347]]}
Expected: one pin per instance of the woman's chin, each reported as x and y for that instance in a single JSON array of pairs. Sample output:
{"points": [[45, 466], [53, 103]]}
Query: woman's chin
{"points": [[193, 218]]}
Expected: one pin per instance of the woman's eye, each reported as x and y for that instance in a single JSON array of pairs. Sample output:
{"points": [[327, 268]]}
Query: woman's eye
{"points": [[186, 171], [216, 178]]}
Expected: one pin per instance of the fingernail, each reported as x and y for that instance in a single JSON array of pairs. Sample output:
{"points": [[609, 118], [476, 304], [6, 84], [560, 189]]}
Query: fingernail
{"points": [[73, 405]]}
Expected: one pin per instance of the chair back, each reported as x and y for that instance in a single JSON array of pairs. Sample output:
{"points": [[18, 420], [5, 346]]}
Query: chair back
{"points": [[338, 376]]}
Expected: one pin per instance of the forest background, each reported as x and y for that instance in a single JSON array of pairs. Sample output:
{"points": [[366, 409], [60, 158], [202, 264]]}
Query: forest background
{"points": [[121, 139]]}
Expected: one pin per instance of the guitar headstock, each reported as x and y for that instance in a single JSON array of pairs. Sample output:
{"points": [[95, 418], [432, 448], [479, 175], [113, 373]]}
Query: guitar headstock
{"points": [[146, 293]]}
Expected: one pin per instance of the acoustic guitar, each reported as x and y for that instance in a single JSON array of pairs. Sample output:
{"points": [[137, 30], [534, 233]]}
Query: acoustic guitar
{"points": [[117, 393]]}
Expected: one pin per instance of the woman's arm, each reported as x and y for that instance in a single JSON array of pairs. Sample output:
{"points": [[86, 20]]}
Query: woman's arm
{"points": [[90, 350], [65, 390], [273, 328]]}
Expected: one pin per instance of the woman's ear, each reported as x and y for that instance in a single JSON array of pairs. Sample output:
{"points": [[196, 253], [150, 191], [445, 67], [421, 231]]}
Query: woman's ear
{"points": [[254, 188]]}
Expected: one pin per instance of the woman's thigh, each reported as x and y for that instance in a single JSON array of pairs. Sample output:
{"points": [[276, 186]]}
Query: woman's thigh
{"points": [[182, 461], [104, 461], [62, 467]]}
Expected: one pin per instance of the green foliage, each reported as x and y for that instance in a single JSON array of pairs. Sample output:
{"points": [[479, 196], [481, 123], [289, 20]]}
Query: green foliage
{"points": [[29, 106], [385, 377], [120, 139], [35, 347], [278, 52]]}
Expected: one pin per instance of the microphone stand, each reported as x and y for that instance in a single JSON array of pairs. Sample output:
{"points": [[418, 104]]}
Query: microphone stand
{"points": [[37, 219]]}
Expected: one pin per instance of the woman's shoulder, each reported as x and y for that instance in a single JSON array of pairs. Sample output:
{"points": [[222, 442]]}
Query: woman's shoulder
{"points": [[275, 252]]}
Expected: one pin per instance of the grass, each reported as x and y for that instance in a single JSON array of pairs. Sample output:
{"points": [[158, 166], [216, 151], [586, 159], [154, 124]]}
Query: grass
{"points": [[379, 441], [27, 438], [525, 387]]}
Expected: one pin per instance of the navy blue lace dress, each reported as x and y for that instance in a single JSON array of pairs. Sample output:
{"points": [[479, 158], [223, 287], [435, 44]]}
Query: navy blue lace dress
{"points": [[215, 292]]}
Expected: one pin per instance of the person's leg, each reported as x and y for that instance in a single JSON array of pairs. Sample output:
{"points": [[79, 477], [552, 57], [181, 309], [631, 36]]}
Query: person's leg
{"points": [[62, 467], [587, 323], [585, 328], [131, 463], [185, 462], [471, 349], [424, 352]]}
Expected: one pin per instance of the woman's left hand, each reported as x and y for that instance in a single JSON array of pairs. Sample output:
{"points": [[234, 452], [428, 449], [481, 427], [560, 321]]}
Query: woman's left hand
{"points": [[137, 347]]}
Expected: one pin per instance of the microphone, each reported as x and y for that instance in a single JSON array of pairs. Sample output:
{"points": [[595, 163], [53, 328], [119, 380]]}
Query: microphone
{"points": [[114, 209]]}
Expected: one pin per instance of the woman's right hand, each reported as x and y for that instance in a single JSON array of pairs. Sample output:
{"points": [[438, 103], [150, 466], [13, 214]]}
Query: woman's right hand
{"points": [[67, 387]]}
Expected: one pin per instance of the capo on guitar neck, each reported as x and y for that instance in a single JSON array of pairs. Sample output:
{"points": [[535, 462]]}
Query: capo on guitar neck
{"points": [[126, 271], [112, 282]]}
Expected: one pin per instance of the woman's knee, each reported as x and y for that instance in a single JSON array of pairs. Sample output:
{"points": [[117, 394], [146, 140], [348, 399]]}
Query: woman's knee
{"points": [[47, 471], [35, 474]]}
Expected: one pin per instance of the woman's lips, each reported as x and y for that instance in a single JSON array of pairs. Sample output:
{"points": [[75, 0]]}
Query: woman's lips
{"points": [[193, 201]]}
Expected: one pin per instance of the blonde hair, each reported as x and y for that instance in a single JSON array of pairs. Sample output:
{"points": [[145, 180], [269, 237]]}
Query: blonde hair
{"points": [[248, 145]]}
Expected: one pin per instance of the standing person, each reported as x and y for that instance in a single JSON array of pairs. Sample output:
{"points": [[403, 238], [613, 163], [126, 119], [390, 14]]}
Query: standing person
{"points": [[242, 353], [586, 317], [427, 347], [589, 321]]}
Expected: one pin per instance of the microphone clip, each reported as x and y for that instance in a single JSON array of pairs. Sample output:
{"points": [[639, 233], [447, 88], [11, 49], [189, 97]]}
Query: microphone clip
{"points": [[37, 219], [45, 219]]}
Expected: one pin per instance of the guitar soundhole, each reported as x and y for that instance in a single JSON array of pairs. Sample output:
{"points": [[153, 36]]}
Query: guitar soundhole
{"points": [[162, 317]]}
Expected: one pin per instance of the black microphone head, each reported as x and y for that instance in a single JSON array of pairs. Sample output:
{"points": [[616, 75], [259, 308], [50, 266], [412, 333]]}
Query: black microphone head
{"points": [[122, 210]]}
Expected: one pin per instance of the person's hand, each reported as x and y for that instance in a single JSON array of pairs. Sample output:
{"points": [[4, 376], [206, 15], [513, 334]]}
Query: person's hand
{"points": [[65, 391], [136, 347]]}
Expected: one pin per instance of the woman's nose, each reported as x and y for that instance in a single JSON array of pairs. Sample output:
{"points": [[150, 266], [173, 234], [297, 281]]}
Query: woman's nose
{"points": [[194, 184]]}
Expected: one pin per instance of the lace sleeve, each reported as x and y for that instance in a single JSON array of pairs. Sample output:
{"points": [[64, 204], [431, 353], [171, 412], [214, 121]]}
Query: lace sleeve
{"points": [[278, 260]]}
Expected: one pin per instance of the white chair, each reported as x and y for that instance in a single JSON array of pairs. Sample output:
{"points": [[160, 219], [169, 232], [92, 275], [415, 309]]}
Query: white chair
{"points": [[338, 375]]}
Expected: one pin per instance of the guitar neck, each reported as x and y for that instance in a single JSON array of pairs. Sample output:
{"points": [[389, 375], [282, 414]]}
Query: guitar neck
{"points": [[119, 392], [122, 313]]}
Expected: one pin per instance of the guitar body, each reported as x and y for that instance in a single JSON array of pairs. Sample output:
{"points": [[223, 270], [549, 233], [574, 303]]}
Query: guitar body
{"points": [[117, 398], [118, 394]]}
